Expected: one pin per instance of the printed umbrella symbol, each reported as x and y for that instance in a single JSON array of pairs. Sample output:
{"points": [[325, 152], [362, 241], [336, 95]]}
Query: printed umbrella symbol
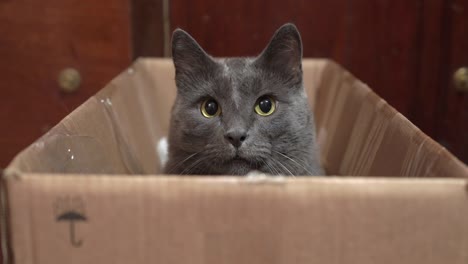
{"points": [[72, 217]]}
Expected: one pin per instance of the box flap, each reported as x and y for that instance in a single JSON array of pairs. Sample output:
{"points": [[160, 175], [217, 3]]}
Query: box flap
{"points": [[103, 219], [115, 131], [361, 135]]}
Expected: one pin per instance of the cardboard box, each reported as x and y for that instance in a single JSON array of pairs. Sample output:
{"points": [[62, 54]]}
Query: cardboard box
{"points": [[86, 192]]}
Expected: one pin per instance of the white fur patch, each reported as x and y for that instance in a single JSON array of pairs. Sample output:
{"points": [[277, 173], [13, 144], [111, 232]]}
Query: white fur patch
{"points": [[255, 174], [163, 152], [260, 177]]}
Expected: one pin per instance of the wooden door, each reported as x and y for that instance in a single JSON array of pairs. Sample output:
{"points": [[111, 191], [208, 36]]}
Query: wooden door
{"points": [[38, 39], [396, 47]]}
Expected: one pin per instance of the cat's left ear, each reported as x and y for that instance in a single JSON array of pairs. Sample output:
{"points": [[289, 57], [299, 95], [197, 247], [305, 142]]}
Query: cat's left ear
{"points": [[283, 55]]}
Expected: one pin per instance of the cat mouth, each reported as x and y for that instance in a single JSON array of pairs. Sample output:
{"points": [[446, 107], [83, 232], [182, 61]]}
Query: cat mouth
{"points": [[240, 165], [238, 158]]}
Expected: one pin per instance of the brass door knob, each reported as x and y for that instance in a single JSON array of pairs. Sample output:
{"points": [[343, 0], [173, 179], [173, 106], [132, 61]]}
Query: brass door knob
{"points": [[69, 80], [460, 79]]}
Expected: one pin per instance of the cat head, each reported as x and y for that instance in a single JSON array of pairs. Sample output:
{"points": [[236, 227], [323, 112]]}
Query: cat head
{"points": [[235, 115]]}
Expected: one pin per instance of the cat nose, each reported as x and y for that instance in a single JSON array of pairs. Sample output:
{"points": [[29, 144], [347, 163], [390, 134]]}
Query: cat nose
{"points": [[236, 137]]}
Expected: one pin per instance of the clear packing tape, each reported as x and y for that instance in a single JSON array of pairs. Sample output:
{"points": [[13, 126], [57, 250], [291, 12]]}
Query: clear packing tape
{"points": [[117, 130]]}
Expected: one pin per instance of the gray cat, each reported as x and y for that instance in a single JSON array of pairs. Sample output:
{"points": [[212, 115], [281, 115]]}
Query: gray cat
{"points": [[237, 115]]}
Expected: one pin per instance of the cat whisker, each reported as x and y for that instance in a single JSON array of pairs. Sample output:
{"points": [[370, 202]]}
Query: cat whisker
{"points": [[282, 165], [193, 165], [188, 169], [180, 163], [293, 160], [272, 169], [281, 171]]}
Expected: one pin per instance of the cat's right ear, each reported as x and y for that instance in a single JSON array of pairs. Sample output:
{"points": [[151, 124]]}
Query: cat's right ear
{"points": [[188, 56]]}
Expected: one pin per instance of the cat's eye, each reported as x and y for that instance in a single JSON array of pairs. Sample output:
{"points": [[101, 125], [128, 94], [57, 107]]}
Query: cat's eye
{"points": [[265, 106], [210, 108]]}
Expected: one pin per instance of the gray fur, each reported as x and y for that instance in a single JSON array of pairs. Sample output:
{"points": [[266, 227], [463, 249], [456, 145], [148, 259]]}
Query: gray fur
{"points": [[282, 143]]}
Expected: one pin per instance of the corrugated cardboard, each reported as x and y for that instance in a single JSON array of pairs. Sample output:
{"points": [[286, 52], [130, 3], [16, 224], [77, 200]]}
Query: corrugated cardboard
{"points": [[74, 197]]}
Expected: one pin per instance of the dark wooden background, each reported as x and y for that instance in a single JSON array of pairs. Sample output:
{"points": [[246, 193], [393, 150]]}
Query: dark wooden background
{"points": [[406, 50]]}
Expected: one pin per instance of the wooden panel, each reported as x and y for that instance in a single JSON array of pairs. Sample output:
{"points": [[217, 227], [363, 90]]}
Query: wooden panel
{"points": [[452, 130], [38, 40], [147, 28], [425, 99]]}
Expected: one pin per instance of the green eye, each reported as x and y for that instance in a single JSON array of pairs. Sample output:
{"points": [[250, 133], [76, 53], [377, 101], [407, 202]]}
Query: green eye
{"points": [[210, 108], [265, 106]]}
